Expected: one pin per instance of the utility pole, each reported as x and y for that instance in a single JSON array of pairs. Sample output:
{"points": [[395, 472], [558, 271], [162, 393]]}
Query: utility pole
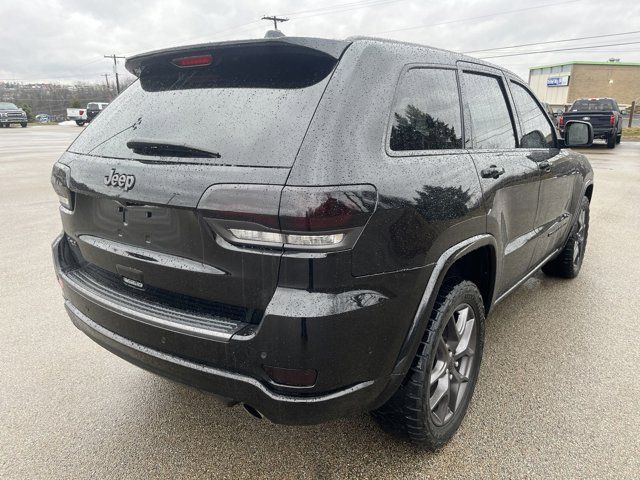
{"points": [[106, 79], [115, 69], [275, 20]]}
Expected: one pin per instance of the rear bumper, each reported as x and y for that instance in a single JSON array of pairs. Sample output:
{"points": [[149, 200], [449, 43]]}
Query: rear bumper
{"points": [[599, 132], [276, 407], [604, 132], [353, 348]]}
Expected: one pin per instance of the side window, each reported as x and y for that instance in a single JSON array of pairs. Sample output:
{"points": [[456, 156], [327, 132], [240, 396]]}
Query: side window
{"points": [[536, 129], [426, 115], [491, 124]]}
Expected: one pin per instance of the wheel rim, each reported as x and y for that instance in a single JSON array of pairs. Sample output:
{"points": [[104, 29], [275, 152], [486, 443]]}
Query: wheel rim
{"points": [[579, 238], [453, 364]]}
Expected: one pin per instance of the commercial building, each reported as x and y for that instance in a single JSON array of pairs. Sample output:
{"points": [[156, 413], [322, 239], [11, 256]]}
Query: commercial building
{"points": [[560, 84]]}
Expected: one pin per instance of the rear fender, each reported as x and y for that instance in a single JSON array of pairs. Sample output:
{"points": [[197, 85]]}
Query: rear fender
{"points": [[416, 331]]}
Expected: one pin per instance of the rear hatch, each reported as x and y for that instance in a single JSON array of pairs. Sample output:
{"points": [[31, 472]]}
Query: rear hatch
{"points": [[189, 138]]}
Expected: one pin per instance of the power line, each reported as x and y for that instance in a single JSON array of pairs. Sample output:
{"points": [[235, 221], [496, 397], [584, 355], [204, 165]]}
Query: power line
{"points": [[321, 11], [82, 75], [331, 7], [218, 34], [347, 9], [476, 18], [584, 47], [553, 41]]}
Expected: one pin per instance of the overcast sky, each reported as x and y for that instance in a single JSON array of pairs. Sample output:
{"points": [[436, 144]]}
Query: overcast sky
{"points": [[64, 40]]}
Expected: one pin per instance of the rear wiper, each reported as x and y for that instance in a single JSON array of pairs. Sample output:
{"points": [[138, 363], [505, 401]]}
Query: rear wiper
{"points": [[168, 149]]}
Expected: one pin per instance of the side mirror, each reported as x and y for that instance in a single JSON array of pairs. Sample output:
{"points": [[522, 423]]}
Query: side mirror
{"points": [[578, 134]]}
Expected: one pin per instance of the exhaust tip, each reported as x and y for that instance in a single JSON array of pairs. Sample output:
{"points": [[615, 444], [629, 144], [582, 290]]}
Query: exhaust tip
{"points": [[252, 411]]}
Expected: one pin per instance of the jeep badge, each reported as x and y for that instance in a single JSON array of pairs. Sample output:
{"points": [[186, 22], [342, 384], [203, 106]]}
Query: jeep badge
{"points": [[120, 180]]}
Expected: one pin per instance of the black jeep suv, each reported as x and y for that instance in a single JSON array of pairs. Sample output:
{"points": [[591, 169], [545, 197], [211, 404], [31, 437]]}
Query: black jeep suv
{"points": [[316, 228]]}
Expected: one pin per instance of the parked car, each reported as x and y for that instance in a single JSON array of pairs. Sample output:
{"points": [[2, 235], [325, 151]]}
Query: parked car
{"points": [[310, 238], [78, 115], [552, 115], [94, 108], [85, 115], [11, 114], [602, 113], [42, 118]]}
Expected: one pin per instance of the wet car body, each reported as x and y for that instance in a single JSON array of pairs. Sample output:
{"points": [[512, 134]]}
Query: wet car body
{"points": [[301, 334]]}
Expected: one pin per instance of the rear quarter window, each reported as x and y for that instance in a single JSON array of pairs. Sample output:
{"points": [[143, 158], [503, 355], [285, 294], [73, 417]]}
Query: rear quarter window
{"points": [[426, 114]]}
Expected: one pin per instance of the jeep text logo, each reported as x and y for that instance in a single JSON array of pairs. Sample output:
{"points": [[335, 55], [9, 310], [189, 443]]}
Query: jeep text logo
{"points": [[120, 180]]}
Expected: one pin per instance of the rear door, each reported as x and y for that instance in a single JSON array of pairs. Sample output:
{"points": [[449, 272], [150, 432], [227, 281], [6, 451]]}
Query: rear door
{"points": [[181, 145], [510, 179], [559, 171]]}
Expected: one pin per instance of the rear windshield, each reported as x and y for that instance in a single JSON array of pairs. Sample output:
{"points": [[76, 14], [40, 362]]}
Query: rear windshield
{"points": [[250, 107], [592, 105], [93, 106]]}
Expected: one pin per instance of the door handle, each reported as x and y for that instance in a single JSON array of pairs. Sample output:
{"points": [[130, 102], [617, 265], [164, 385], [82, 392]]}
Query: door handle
{"points": [[544, 165], [492, 172]]}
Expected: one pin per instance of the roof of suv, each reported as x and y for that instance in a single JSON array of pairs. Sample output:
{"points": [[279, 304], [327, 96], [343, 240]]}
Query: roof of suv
{"points": [[442, 53], [334, 48]]}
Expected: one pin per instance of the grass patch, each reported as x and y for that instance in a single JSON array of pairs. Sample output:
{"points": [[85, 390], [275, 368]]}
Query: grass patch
{"points": [[631, 132]]}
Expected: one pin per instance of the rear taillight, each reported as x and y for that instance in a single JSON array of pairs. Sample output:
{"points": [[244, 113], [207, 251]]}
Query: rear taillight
{"points": [[561, 121], [314, 218], [81, 112], [60, 182], [612, 120]]}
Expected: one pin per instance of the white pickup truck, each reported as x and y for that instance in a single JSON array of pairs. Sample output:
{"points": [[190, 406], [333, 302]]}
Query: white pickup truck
{"points": [[79, 115]]}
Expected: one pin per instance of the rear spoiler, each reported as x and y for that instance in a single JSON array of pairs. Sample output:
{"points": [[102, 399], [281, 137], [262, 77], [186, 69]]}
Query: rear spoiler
{"points": [[333, 48]]}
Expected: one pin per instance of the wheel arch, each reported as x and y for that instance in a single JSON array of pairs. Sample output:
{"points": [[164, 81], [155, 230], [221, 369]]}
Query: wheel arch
{"points": [[479, 266], [456, 262], [588, 191]]}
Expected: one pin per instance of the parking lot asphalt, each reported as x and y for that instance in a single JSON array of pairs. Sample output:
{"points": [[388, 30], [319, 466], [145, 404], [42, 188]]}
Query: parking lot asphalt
{"points": [[558, 394]]}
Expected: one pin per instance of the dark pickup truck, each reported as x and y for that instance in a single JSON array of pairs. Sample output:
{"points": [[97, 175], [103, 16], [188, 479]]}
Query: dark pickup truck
{"points": [[602, 113]]}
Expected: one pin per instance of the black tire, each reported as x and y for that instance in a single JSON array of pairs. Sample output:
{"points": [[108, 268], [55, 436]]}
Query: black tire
{"points": [[79, 123], [611, 141], [410, 409], [618, 138], [569, 261], [23, 124]]}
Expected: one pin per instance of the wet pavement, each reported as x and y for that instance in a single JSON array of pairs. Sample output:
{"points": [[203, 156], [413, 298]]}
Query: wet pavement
{"points": [[558, 395]]}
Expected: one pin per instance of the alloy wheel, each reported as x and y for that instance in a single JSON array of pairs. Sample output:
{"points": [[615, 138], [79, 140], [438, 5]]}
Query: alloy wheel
{"points": [[579, 238], [453, 364]]}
